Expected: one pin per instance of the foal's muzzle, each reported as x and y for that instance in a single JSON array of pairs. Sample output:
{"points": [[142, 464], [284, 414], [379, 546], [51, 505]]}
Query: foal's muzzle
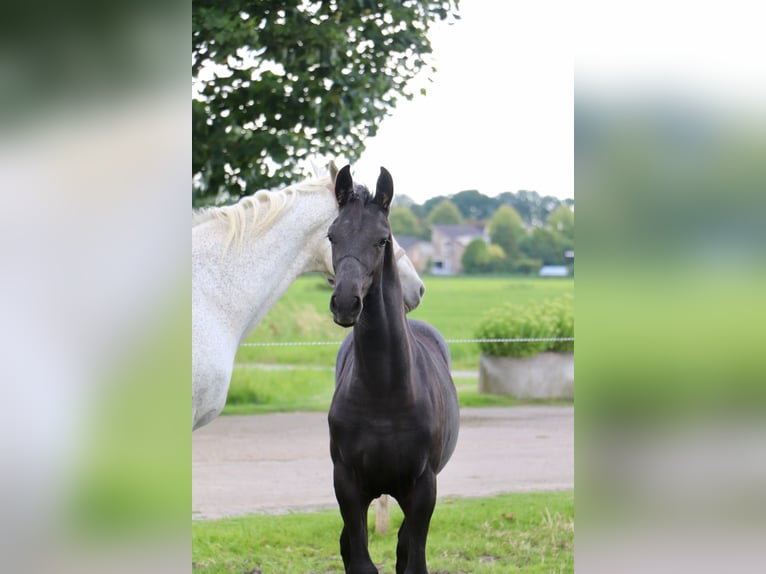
{"points": [[351, 283], [345, 309]]}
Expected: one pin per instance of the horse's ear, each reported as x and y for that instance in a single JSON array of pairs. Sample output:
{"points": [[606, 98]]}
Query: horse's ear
{"points": [[333, 169], [344, 186], [384, 190]]}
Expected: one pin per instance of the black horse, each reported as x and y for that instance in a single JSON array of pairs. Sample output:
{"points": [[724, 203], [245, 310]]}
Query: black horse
{"points": [[394, 417]]}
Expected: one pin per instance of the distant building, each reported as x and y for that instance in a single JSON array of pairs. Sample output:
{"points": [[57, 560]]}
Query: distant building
{"points": [[419, 251], [449, 243], [554, 271]]}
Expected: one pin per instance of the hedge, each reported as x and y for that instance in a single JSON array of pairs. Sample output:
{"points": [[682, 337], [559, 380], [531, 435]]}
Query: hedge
{"points": [[549, 319]]}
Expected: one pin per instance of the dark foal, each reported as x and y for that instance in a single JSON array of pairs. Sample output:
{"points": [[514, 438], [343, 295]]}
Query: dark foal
{"points": [[394, 417]]}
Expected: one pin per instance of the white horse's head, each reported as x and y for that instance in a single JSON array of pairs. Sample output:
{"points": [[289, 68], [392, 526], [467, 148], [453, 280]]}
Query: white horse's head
{"points": [[255, 215], [412, 286]]}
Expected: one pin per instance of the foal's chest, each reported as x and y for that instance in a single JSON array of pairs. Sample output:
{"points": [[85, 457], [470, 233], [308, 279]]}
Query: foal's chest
{"points": [[380, 444]]}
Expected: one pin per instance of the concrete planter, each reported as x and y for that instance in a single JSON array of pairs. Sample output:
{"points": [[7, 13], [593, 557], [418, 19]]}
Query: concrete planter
{"points": [[542, 376]]}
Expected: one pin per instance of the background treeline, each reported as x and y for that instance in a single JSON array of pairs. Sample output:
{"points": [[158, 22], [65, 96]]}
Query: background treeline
{"points": [[526, 231]]}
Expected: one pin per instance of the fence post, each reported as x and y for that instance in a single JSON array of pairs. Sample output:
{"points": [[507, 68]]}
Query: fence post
{"points": [[381, 514]]}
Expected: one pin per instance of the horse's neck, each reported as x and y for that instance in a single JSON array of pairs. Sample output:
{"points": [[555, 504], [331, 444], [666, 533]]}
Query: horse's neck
{"points": [[249, 281], [382, 337]]}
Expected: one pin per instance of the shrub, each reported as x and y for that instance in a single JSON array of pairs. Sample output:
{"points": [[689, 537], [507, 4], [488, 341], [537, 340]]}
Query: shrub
{"points": [[475, 257], [550, 319], [528, 266], [562, 310]]}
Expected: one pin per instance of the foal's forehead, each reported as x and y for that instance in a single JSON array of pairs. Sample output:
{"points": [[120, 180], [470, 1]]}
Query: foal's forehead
{"points": [[361, 209]]}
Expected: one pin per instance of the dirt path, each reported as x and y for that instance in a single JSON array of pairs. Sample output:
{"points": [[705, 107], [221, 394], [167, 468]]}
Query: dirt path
{"points": [[281, 462]]}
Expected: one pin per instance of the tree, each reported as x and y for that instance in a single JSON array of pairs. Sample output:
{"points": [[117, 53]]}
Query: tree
{"points": [[497, 259], [404, 222], [474, 205], [546, 245], [277, 81], [446, 213], [561, 220], [507, 230], [429, 205], [476, 257], [532, 208]]}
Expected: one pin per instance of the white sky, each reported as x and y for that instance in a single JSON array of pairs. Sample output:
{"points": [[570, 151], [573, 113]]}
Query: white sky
{"points": [[704, 52], [499, 114]]}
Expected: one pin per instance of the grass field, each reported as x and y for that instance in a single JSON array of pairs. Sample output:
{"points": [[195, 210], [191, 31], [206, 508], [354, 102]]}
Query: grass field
{"points": [[257, 391], [454, 305], [531, 533]]}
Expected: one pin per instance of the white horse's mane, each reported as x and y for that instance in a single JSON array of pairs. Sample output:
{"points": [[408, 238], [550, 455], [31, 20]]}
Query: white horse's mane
{"points": [[259, 211]]}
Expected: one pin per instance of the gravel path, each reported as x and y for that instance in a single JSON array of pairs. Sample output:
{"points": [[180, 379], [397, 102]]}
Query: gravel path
{"points": [[281, 462]]}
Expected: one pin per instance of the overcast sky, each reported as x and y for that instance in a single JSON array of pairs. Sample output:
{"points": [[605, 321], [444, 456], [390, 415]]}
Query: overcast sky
{"points": [[498, 115]]}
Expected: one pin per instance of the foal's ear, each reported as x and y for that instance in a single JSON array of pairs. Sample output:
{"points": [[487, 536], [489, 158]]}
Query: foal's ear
{"points": [[384, 190], [344, 186]]}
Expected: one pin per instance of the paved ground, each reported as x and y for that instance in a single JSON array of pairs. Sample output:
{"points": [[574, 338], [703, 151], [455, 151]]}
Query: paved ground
{"points": [[281, 462]]}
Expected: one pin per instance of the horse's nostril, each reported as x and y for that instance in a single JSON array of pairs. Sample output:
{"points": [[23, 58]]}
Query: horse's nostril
{"points": [[333, 303], [422, 290], [357, 303]]}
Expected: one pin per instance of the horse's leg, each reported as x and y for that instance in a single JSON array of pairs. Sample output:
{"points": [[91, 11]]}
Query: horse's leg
{"points": [[402, 548], [353, 508], [344, 547], [418, 507]]}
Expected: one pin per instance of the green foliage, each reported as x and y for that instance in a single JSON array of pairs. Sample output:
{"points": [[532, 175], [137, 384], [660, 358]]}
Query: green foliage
{"points": [[404, 222], [497, 257], [527, 266], [507, 230], [549, 319], [424, 210], [546, 245], [509, 533], [277, 81], [475, 205], [563, 312], [561, 220], [532, 208], [475, 258], [479, 257], [445, 213]]}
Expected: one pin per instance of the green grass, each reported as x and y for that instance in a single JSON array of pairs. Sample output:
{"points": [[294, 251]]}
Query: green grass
{"points": [[454, 305], [256, 391], [530, 532]]}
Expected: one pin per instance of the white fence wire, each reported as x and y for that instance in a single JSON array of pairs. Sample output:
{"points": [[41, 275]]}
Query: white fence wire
{"points": [[449, 341]]}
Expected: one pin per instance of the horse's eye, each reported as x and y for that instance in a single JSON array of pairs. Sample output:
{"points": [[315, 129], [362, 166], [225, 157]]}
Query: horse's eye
{"points": [[382, 242], [331, 239]]}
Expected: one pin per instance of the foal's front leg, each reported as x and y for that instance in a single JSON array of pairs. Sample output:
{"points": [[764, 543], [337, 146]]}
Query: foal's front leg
{"points": [[418, 507], [353, 508]]}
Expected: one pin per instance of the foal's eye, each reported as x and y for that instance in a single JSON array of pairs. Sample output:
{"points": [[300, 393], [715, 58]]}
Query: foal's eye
{"points": [[382, 242]]}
